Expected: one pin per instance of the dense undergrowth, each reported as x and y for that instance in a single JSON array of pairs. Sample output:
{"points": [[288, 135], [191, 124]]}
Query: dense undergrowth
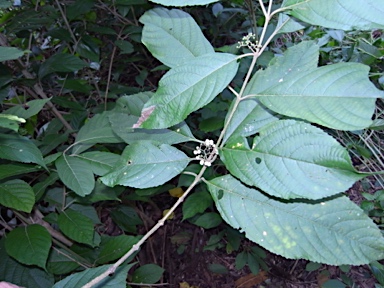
{"points": [[75, 79]]}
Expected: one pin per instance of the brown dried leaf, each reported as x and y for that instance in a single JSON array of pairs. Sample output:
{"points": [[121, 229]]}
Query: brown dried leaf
{"points": [[251, 280], [144, 115]]}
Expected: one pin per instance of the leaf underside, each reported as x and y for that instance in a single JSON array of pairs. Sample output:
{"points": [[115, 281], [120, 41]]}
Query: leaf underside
{"points": [[334, 232]]}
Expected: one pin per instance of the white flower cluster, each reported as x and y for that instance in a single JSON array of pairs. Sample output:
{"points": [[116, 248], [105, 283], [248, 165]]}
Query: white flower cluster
{"points": [[249, 41], [204, 151]]}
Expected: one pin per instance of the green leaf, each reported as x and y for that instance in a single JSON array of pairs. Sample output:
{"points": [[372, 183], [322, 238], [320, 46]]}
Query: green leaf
{"points": [[334, 232], [61, 63], [10, 53], [348, 15], [17, 194], [198, 202], [187, 88], [18, 148], [208, 220], [292, 159], [247, 119], [28, 109], [132, 104], [99, 162], [10, 121], [29, 245], [122, 125], [126, 218], [96, 130], [149, 273], [75, 174], [22, 275], [40, 187], [338, 96], [13, 169], [126, 47], [288, 25], [60, 262], [117, 280], [146, 164], [182, 3], [76, 226], [173, 30], [112, 248]]}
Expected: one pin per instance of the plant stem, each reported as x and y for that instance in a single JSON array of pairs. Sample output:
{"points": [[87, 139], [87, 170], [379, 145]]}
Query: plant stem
{"points": [[137, 246]]}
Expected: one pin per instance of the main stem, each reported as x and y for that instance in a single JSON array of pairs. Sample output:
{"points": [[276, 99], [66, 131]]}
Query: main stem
{"points": [[137, 246]]}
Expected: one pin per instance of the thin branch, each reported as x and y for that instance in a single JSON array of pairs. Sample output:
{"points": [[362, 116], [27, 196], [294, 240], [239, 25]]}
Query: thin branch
{"points": [[137, 246]]}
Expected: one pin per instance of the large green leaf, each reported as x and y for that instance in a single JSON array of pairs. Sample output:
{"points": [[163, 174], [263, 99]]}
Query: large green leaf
{"points": [[146, 164], [76, 174], [61, 63], [334, 232], [29, 245], [148, 273], [117, 280], [122, 125], [13, 169], [10, 53], [17, 194], [338, 96], [76, 226], [22, 275], [132, 104], [292, 159], [28, 109], [247, 119], [187, 88], [336, 14], [173, 36], [182, 3], [18, 148], [99, 162], [60, 262], [96, 130]]}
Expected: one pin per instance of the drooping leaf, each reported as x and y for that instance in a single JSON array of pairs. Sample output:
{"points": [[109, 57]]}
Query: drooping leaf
{"points": [[18, 148], [61, 63], [99, 162], [117, 280], [122, 125], [146, 164], [76, 226], [10, 121], [335, 231], [338, 96], [247, 119], [148, 273], [112, 248], [286, 24], [173, 30], [17, 194], [28, 109], [10, 53], [345, 15], [96, 130], [292, 159], [198, 202], [13, 169], [75, 174], [26, 276], [29, 245], [187, 88]]}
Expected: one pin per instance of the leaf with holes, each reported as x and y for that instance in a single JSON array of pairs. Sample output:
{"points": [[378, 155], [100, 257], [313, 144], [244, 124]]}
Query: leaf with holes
{"points": [[146, 164], [334, 232], [292, 159], [29, 245], [189, 87], [338, 96], [76, 174]]}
